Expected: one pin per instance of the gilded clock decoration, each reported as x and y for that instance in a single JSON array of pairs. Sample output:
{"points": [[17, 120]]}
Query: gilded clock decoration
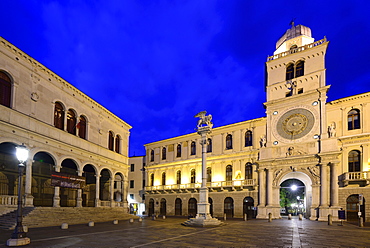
{"points": [[295, 123]]}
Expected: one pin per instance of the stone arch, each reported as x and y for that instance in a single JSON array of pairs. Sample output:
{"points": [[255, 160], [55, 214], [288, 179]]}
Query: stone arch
{"points": [[104, 186], [89, 192], [118, 187], [306, 180], [42, 166]]}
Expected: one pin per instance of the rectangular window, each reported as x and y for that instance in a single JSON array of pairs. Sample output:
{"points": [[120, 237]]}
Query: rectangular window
{"points": [[132, 196], [132, 167], [132, 184]]}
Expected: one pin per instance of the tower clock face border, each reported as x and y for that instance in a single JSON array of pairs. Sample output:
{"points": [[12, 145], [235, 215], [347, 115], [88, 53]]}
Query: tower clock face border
{"points": [[294, 124]]}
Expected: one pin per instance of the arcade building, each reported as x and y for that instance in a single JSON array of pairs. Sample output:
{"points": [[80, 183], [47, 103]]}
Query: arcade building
{"points": [[321, 146], [78, 150]]}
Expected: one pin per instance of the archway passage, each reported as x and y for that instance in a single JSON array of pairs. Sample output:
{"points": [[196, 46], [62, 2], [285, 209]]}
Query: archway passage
{"points": [[248, 207], [210, 201], [89, 193], [292, 197], [163, 207], [178, 206], [192, 207], [68, 196], [151, 207], [229, 207], [42, 167], [353, 207]]}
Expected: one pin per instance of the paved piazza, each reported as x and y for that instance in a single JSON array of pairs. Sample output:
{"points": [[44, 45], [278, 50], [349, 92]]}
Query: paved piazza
{"points": [[170, 233]]}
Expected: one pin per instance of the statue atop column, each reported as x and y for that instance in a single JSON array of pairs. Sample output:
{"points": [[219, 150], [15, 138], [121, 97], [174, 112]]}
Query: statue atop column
{"points": [[205, 121]]}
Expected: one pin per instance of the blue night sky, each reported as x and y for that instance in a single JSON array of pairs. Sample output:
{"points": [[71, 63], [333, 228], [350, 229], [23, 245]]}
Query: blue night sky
{"points": [[155, 64]]}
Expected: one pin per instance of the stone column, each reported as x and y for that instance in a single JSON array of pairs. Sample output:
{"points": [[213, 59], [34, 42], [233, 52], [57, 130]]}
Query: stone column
{"points": [[97, 191], [111, 192], [56, 198], [79, 194], [261, 188], [28, 198], [125, 192], [324, 186], [334, 185]]}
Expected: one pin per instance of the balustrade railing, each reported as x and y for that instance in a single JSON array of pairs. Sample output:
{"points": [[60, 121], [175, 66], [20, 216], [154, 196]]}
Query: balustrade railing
{"points": [[9, 200], [295, 50], [189, 186], [355, 176]]}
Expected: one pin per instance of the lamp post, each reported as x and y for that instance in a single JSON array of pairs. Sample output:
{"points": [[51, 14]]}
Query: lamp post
{"points": [[19, 236]]}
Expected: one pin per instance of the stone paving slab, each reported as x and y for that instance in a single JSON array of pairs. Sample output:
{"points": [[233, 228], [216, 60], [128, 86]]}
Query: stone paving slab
{"points": [[170, 233]]}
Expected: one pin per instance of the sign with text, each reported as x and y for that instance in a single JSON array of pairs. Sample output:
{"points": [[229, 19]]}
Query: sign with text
{"points": [[67, 181]]}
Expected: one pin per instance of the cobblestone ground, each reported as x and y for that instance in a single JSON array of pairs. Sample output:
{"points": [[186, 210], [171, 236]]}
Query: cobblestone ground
{"points": [[170, 233]]}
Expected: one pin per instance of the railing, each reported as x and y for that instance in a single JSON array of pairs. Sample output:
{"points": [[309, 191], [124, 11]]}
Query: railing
{"points": [[355, 177], [295, 50], [9, 200], [189, 186]]}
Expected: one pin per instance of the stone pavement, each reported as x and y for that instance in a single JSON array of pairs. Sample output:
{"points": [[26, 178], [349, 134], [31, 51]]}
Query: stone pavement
{"points": [[170, 233]]}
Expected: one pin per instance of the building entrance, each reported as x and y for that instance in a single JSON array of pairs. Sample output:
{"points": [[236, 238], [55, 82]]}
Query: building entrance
{"points": [[295, 194], [354, 207]]}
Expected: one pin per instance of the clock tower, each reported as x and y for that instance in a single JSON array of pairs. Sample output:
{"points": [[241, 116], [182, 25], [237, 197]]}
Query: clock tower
{"points": [[298, 146], [296, 94]]}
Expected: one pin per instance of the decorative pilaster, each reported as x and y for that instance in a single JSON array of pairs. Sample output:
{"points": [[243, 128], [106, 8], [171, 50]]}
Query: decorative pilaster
{"points": [[324, 185], [111, 192], [334, 190], [56, 198]]}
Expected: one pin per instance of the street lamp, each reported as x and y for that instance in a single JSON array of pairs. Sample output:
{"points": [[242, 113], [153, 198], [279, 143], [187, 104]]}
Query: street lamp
{"points": [[19, 236]]}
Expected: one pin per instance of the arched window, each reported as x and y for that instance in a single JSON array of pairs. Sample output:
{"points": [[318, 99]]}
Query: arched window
{"points": [[164, 153], [192, 176], [178, 177], [82, 127], [110, 140], [59, 116], [354, 119], [71, 122], [118, 144], [354, 158], [151, 181], [229, 173], [229, 141], [151, 155], [299, 68], [5, 89], [178, 153], [289, 72], [163, 178], [209, 145], [209, 174], [193, 148], [248, 138], [248, 171]]}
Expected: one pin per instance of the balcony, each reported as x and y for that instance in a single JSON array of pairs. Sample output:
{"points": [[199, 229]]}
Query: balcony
{"points": [[212, 186], [362, 178]]}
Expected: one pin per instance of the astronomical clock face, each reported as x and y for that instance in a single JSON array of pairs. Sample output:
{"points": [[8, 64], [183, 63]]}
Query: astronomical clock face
{"points": [[294, 124]]}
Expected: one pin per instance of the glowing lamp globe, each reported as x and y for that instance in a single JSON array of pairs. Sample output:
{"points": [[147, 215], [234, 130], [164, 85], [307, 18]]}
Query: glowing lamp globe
{"points": [[22, 153]]}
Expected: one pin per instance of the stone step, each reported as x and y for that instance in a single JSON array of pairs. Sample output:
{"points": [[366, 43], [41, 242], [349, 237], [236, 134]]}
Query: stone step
{"points": [[49, 216]]}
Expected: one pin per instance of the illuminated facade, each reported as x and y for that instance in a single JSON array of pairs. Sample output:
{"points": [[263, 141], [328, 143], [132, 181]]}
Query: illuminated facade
{"points": [[66, 132], [136, 183], [323, 145]]}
